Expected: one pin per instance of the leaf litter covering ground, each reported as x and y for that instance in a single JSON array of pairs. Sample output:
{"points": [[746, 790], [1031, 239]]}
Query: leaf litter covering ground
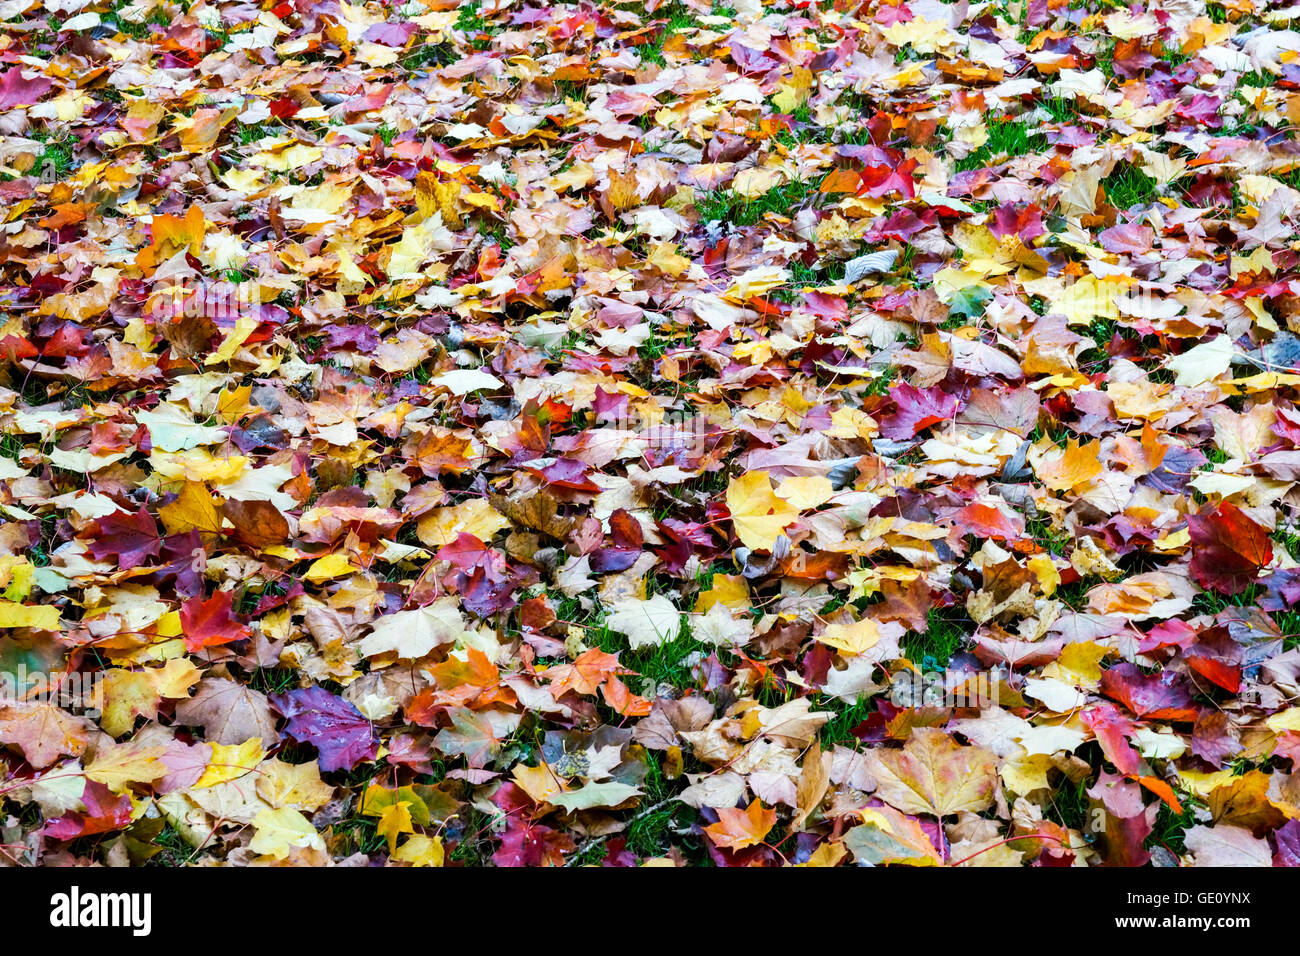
{"points": [[522, 434]]}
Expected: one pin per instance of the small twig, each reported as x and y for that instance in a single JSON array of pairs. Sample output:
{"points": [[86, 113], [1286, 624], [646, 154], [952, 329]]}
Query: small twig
{"points": [[596, 840]]}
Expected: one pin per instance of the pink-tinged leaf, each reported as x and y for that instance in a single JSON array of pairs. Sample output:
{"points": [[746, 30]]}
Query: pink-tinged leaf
{"points": [[1132, 238], [1112, 730], [105, 811], [916, 410], [531, 844], [17, 89], [1161, 696]]}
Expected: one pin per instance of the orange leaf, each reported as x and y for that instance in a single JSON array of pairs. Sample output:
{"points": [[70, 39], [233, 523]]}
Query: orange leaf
{"points": [[737, 829]]}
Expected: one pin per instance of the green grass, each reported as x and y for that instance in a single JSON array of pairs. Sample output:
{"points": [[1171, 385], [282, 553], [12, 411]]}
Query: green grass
{"points": [[839, 729], [881, 383], [56, 159], [478, 30], [1127, 186], [1288, 625], [10, 446], [498, 235], [1171, 828], [1255, 78], [1106, 60], [273, 680], [589, 856], [173, 850], [945, 632], [1075, 594], [253, 132], [656, 346], [137, 31], [361, 834], [1211, 602], [1052, 539], [473, 839], [429, 54], [1007, 139], [652, 830], [726, 206], [679, 18], [665, 664], [1289, 539], [1068, 804], [1062, 109], [800, 277]]}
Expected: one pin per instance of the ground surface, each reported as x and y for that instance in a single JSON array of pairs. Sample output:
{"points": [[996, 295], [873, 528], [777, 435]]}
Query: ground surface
{"points": [[523, 434]]}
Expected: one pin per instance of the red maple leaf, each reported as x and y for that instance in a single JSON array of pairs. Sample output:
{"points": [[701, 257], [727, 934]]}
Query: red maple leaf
{"points": [[129, 537], [1228, 549], [529, 844], [209, 623], [879, 181], [105, 811]]}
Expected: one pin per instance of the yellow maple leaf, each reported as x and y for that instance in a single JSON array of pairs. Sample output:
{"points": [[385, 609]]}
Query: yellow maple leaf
{"points": [[855, 638], [230, 762], [278, 831], [805, 492], [120, 766], [394, 821], [195, 508], [329, 567], [758, 515], [420, 850], [1070, 469], [44, 618]]}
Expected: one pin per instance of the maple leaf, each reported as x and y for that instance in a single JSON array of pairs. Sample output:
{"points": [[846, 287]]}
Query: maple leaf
{"points": [[331, 724], [229, 712], [916, 410], [758, 515], [278, 831], [1162, 696], [104, 812], [415, 633], [16, 89], [42, 732], [257, 523], [1113, 732], [737, 829], [1228, 549], [609, 793], [934, 774], [129, 537], [475, 735], [528, 844], [646, 623], [209, 623], [889, 837], [119, 767], [1225, 845], [1075, 466]]}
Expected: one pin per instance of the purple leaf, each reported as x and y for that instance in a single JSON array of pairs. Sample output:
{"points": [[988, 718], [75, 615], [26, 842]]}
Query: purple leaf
{"points": [[330, 724]]}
